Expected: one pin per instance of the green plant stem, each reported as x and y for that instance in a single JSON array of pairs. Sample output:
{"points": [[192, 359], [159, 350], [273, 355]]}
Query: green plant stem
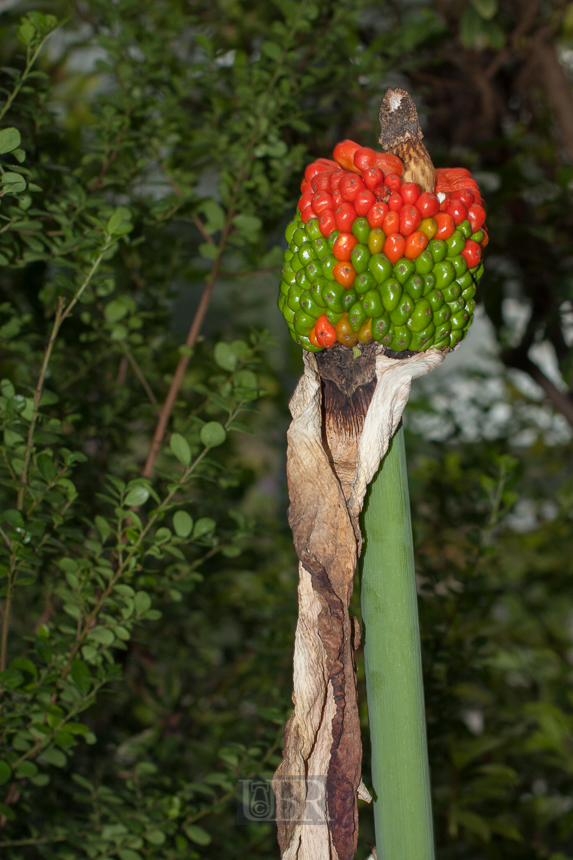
{"points": [[62, 311], [30, 60], [400, 773]]}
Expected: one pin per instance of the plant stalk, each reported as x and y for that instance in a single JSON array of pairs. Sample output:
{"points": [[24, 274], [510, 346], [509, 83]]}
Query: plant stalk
{"points": [[393, 659]]}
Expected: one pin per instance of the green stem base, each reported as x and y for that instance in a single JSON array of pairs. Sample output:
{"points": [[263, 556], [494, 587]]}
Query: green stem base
{"points": [[393, 660]]}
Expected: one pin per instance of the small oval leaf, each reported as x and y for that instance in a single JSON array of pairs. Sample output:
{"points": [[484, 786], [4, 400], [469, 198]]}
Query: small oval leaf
{"points": [[213, 434], [182, 523]]}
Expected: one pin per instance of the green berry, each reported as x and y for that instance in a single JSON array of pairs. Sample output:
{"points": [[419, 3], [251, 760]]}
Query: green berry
{"points": [[380, 268], [360, 257], [361, 229], [403, 310], [372, 303], [363, 283], [403, 270], [402, 339], [391, 293], [421, 315], [312, 229], [357, 316]]}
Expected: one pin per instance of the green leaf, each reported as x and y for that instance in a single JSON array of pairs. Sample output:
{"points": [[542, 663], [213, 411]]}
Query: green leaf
{"points": [[122, 633], [120, 221], [142, 602], [26, 769], [103, 527], [182, 523], [5, 772], [81, 675], [156, 837], [197, 834], [54, 756], [14, 518], [41, 779], [102, 635], [137, 496], [48, 398], [10, 140], [45, 464], [208, 250], [247, 379], [213, 434], [203, 526], [474, 823], [486, 8], [26, 32], [271, 49], [180, 447], [116, 310], [129, 854], [225, 356], [248, 224], [215, 215], [24, 665], [14, 183]]}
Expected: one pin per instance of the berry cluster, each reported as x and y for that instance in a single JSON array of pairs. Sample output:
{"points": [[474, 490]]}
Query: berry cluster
{"points": [[371, 257]]}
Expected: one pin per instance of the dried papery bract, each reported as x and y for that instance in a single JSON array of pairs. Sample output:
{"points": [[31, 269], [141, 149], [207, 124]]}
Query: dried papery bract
{"points": [[345, 411]]}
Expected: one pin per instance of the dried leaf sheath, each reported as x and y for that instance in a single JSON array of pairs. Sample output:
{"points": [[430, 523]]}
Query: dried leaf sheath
{"points": [[345, 412]]}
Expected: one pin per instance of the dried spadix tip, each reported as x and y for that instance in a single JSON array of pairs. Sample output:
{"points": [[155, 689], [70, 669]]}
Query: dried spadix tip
{"points": [[400, 134]]}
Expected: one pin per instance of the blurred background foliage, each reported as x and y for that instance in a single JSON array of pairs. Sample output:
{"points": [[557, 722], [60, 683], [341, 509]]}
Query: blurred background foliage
{"points": [[155, 162]]}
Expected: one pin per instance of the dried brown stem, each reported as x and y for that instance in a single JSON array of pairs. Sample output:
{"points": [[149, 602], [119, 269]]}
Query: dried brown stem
{"points": [[557, 87]]}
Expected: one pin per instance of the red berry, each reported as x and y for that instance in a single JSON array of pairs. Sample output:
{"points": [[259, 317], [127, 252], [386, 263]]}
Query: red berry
{"points": [[327, 222], [393, 181], [428, 204], [314, 168], [321, 182], [342, 248], [415, 244], [445, 224], [472, 253], [305, 200], [325, 332], [372, 177], [335, 179], [395, 202], [391, 223], [465, 196], [364, 202], [410, 192], [476, 216], [410, 219], [394, 247], [345, 216], [307, 214], [377, 214], [322, 201], [457, 210], [364, 157], [350, 185], [306, 187]]}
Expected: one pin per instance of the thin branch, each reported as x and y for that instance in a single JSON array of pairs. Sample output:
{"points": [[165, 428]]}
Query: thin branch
{"points": [[37, 398], [6, 539], [141, 377], [201, 227], [181, 369], [519, 360]]}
